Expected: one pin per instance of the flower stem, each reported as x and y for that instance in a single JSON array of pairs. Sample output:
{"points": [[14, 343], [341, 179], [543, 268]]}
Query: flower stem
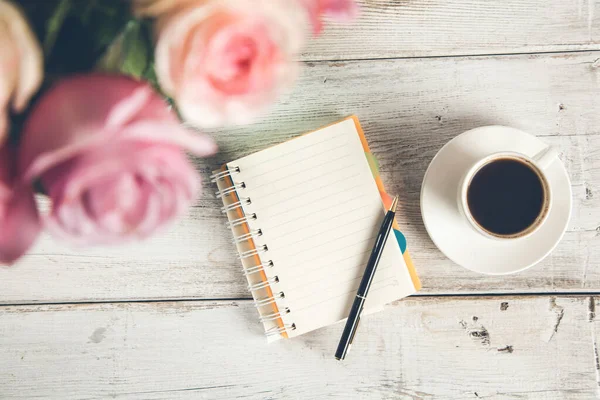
{"points": [[54, 25]]}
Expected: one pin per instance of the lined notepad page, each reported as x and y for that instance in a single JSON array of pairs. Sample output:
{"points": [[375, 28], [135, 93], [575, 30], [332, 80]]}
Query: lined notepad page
{"points": [[319, 209]]}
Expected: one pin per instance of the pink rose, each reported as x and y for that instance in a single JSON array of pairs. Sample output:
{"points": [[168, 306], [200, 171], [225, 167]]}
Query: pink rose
{"points": [[21, 63], [19, 219], [110, 155], [225, 61], [340, 10]]}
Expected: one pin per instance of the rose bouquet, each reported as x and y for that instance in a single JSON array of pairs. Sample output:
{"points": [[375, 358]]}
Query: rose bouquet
{"points": [[93, 95]]}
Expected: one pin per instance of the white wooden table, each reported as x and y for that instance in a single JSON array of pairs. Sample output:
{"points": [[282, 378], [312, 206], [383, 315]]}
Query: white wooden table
{"points": [[171, 318]]}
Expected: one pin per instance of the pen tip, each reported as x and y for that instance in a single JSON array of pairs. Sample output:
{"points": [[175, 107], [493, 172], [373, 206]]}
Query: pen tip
{"points": [[394, 204]]}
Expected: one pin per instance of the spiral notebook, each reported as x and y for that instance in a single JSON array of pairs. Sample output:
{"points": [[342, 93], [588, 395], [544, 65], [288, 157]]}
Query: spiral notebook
{"points": [[304, 216]]}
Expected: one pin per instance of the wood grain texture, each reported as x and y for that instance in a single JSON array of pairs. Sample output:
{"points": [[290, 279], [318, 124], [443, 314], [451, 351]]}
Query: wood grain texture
{"points": [[196, 260], [403, 28], [532, 347], [426, 348], [407, 120]]}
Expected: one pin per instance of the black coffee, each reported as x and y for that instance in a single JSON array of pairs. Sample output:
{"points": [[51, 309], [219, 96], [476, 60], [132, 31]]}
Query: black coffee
{"points": [[506, 196]]}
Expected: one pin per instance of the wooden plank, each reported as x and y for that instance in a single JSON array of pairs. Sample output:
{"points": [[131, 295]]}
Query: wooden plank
{"points": [[394, 28], [195, 259], [451, 348], [547, 95]]}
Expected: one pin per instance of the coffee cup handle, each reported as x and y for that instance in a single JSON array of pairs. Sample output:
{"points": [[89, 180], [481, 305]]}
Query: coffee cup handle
{"points": [[546, 157]]}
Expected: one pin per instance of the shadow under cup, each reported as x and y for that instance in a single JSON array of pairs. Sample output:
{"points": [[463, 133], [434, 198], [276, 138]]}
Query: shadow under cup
{"points": [[506, 196]]}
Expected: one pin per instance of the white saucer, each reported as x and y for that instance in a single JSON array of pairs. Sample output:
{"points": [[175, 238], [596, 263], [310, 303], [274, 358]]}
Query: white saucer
{"points": [[452, 233]]}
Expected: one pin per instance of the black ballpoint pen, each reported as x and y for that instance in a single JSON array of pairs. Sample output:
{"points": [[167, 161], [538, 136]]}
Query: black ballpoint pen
{"points": [[365, 283]]}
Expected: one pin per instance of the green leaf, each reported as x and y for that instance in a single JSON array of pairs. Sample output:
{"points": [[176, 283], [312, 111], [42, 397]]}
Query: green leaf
{"points": [[136, 53], [75, 33], [131, 53], [150, 75]]}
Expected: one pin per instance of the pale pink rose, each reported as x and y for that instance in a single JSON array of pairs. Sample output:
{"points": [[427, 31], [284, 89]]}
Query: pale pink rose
{"points": [[154, 8], [19, 220], [226, 61], [340, 10], [21, 63], [111, 157]]}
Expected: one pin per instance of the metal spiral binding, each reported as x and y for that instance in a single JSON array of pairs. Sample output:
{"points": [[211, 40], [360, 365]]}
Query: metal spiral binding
{"points": [[274, 316], [236, 205], [275, 331], [241, 221], [257, 251], [258, 268], [224, 174], [251, 235], [253, 252], [231, 189], [268, 300], [263, 284]]}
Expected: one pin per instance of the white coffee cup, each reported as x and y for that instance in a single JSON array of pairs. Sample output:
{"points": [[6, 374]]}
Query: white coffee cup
{"points": [[538, 163]]}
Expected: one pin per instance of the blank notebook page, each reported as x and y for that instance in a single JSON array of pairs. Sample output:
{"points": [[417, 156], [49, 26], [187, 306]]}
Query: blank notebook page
{"points": [[319, 210]]}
